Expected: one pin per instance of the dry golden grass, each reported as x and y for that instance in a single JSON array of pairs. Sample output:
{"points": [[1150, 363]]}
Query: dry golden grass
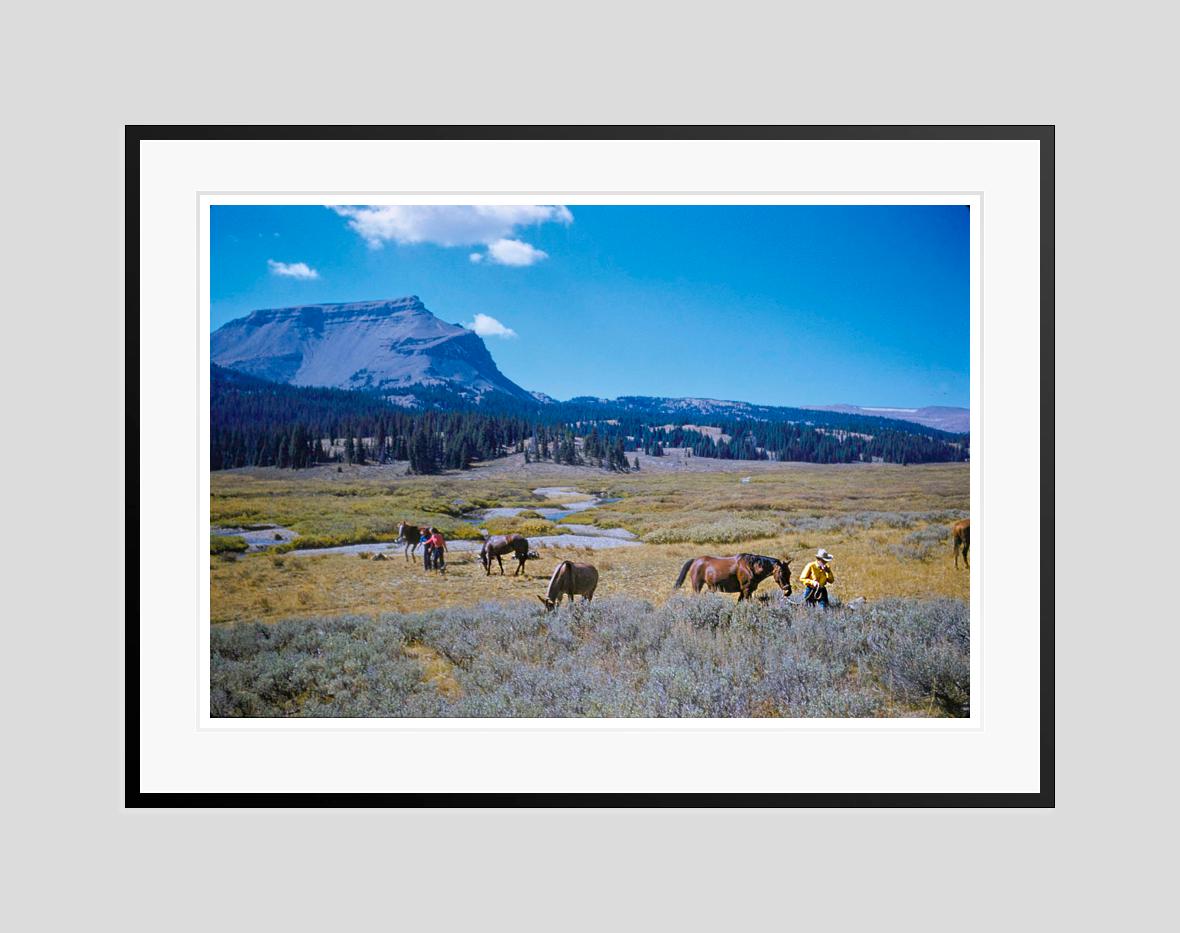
{"points": [[321, 501], [702, 506], [436, 670], [259, 586]]}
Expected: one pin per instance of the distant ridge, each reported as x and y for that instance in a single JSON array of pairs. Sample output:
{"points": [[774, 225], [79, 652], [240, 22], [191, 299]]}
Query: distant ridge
{"points": [[383, 346], [943, 417]]}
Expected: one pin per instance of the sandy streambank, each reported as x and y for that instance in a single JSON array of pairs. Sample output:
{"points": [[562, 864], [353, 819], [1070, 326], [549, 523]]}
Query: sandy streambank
{"points": [[258, 538]]}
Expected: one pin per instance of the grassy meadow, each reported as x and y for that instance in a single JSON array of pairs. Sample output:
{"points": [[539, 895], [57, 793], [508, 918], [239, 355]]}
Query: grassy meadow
{"points": [[888, 527]]}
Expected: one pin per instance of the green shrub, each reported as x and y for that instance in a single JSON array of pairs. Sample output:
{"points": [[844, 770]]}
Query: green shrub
{"points": [[721, 532], [461, 531], [529, 527], [227, 544], [599, 518]]}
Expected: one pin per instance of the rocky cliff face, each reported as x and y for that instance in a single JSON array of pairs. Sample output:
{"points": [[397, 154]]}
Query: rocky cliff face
{"points": [[385, 346]]}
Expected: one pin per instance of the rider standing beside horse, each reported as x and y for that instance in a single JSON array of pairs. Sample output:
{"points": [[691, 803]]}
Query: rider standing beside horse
{"points": [[436, 546], [425, 535], [816, 576]]}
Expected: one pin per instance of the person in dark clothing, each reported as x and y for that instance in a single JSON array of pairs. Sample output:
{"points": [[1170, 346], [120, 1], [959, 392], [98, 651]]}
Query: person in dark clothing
{"points": [[426, 549]]}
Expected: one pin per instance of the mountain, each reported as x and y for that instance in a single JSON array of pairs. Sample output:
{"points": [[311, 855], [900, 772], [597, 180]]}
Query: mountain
{"points": [[382, 346], [942, 417], [400, 352]]}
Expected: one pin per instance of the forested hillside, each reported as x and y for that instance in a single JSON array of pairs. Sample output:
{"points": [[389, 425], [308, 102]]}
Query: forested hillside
{"points": [[259, 423]]}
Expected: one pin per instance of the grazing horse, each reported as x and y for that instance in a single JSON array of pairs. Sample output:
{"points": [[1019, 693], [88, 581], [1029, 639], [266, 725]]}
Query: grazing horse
{"points": [[961, 539], [740, 574], [410, 534], [570, 579], [498, 545]]}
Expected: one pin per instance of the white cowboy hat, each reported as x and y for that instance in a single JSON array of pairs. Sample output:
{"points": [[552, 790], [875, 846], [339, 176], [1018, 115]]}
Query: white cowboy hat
{"points": [[823, 555]]}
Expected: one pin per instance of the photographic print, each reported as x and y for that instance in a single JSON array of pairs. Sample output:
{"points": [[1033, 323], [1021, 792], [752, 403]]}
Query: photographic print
{"points": [[568, 459]]}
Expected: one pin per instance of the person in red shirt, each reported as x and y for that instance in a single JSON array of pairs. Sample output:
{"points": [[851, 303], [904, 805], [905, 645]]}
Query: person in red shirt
{"points": [[437, 545]]}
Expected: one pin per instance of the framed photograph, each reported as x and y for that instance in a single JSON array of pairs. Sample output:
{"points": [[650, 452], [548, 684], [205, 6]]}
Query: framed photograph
{"points": [[591, 465]]}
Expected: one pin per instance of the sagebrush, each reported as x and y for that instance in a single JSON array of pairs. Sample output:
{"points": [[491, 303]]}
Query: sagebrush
{"points": [[703, 656]]}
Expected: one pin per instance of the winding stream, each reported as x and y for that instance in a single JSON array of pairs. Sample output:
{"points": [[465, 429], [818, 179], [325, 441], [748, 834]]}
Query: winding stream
{"points": [[580, 536], [552, 513], [258, 539]]}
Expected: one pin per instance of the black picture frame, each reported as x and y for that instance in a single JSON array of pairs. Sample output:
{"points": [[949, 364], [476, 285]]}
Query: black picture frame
{"points": [[134, 135]]}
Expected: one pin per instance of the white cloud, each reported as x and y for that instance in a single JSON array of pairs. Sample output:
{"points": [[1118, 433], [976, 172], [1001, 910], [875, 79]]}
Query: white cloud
{"points": [[487, 326], [514, 253], [294, 270], [457, 225]]}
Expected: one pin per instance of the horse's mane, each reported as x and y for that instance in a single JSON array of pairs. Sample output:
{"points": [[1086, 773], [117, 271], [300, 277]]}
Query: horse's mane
{"points": [[553, 579], [773, 561]]}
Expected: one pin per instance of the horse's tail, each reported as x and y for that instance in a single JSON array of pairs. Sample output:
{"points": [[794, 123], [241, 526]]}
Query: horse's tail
{"points": [[683, 573], [553, 580]]}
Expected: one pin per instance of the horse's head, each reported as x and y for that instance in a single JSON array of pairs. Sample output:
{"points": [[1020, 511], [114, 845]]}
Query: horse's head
{"points": [[532, 555], [782, 575], [762, 566], [548, 603], [484, 557]]}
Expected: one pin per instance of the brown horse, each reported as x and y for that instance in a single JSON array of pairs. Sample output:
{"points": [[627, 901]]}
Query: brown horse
{"points": [[410, 534], [498, 545], [570, 579], [961, 538], [739, 574]]}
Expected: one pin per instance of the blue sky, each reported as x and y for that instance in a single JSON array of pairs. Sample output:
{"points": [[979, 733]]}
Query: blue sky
{"points": [[787, 305]]}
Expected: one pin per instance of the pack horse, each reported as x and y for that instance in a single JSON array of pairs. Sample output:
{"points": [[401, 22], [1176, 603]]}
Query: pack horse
{"points": [[739, 574], [497, 546]]}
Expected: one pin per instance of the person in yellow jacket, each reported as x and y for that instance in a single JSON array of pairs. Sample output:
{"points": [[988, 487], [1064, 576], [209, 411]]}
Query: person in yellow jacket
{"points": [[815, 578]]}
